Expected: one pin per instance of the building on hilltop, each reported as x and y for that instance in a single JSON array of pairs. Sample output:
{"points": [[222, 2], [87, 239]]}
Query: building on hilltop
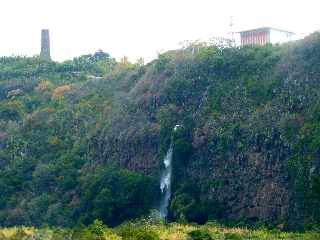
{"points": [[45, 45], [262, 36]]}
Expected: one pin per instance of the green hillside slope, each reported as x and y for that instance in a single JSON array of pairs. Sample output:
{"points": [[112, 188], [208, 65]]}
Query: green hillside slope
{"points": [[85, 139]]}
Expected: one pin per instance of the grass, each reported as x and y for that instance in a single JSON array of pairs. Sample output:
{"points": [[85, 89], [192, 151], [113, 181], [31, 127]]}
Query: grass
{"points": [[172, 231], [180, 232]]}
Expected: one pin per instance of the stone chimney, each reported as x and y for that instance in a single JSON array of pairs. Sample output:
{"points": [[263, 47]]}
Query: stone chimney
{"points": [[45, 45]]}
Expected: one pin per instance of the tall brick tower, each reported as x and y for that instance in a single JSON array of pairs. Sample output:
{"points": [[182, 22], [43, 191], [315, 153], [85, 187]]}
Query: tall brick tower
{"points": [[45, 45]]}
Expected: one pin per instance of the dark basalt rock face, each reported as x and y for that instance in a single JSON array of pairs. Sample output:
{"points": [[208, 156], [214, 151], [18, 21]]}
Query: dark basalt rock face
{"points": [[241, 158]]}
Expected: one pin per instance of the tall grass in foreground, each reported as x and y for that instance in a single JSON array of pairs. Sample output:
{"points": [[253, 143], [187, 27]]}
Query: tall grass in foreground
{"points": [[147, 231]]}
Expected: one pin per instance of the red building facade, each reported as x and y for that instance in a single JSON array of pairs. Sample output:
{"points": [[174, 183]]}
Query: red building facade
{"points": [[262, 36], [257, 37]]}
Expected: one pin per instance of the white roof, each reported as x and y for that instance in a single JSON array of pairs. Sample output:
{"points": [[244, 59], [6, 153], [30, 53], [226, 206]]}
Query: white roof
{"points": [[265, 29]]}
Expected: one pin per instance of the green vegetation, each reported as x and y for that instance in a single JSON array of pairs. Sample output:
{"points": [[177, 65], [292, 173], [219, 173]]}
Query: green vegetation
{"points": [[146, 231], [200, 235], [84, 140]]}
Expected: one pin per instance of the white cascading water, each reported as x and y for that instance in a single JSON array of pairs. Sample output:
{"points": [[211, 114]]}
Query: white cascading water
{"points": [[165, 184], [165, 181]]}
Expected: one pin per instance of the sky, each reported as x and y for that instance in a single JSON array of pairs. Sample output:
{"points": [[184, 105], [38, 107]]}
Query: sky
{"points": [[140, 28]]}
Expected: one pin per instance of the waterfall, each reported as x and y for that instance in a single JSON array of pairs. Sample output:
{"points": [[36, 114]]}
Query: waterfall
{"points": [[165, 184], [165, 180]]}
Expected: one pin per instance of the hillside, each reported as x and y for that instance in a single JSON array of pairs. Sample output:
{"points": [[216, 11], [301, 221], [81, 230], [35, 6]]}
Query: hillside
{"points": [[85, 139]]}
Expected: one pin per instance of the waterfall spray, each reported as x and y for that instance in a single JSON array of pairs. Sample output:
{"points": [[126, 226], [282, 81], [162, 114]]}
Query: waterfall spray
{"points": [[165, 181], [165, 184]]}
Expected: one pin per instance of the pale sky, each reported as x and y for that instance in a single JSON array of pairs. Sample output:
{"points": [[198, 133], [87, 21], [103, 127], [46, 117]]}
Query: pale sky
{"points": [[140, 28]]}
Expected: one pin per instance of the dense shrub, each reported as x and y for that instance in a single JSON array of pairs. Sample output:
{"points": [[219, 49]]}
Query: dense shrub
{"points": [[131, 231], [117, 195], [95, 231], [232, 236], [199, 235]]}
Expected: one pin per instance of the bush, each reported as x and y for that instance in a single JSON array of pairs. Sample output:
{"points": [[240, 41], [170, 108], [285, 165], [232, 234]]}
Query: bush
{"points": [[118, 195], [44, 85], [199, 235], [13, 111], [134, 232], [161, 63], [96, 231], [61, 234], [18, 235], [60, 91], [232, 236]]}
